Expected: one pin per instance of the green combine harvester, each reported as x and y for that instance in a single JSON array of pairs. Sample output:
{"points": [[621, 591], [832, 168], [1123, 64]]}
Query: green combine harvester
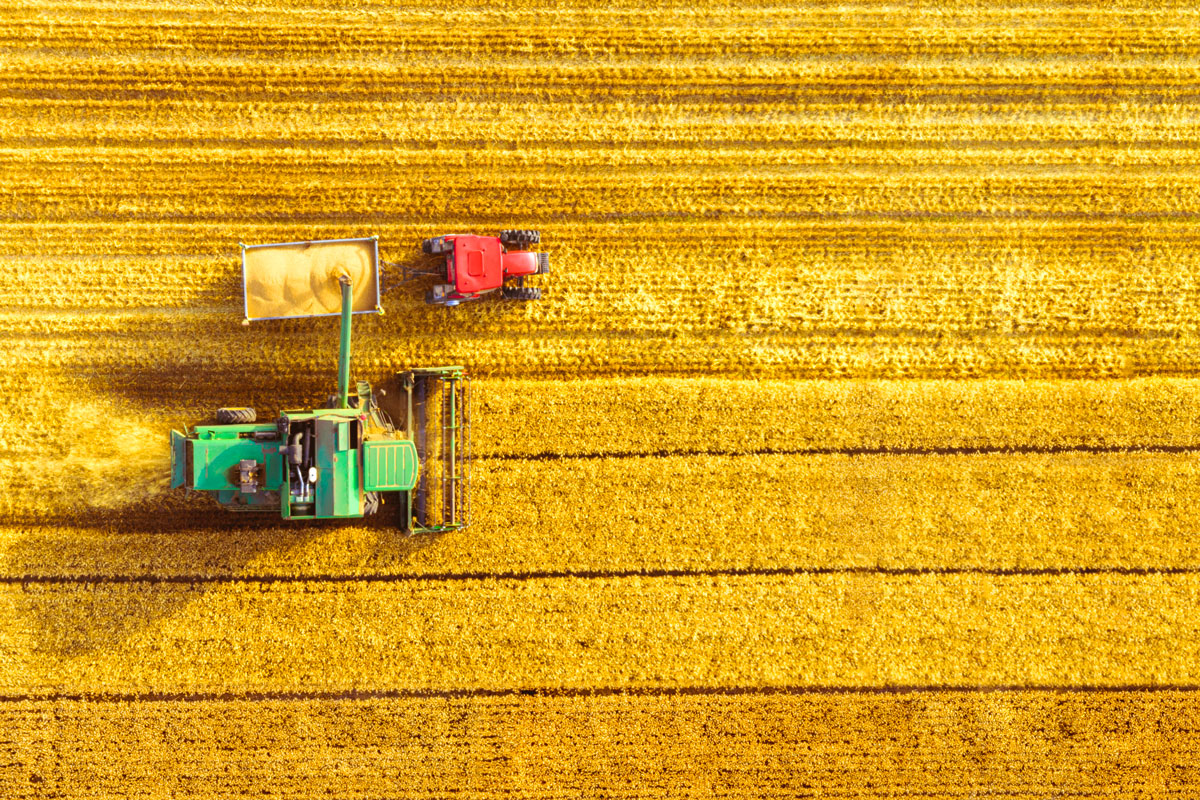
{"points": [[347, 459]]}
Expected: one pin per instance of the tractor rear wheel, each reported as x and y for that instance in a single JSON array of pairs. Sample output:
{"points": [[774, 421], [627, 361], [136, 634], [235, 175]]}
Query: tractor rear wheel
{"points": [[521, 293], [519, 239], [235, 416]]}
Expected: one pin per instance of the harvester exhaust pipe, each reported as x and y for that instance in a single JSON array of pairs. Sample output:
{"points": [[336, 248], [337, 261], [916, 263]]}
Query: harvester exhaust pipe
{"points": [[344, 350]]}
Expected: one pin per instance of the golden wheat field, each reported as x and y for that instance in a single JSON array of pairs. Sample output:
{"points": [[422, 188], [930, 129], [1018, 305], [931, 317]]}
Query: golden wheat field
{"points": [[853, 450]]}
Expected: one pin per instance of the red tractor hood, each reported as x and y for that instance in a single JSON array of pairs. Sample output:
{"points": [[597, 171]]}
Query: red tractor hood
{"points": [[477, 266]]}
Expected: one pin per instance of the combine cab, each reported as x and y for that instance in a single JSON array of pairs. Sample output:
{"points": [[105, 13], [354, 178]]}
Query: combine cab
{"points": [[347, 459]]}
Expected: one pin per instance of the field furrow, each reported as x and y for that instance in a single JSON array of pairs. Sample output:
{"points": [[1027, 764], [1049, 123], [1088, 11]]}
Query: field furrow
{"points": [[742, 33]]}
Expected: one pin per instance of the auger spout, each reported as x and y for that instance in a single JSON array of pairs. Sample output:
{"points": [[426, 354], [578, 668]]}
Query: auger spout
{"points": [[344, 349]]}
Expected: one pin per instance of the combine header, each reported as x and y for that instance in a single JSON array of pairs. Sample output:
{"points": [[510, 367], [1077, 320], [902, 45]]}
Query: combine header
{"points": [[348, 458]]}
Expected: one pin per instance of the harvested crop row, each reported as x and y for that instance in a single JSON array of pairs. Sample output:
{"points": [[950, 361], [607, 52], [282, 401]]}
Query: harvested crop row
{"points": [[667, 746], [617, 291], [961, 13], [897, 131], [668, 154], [759, 87], [438, 15], [1000, 512], [221, 165], [1103, 237], [106, 77], [284, 40], [396, 158], [562, 44], [606, 283], [275, 192], [27, 72], [802, 630], [300, 166], [282, 362]]}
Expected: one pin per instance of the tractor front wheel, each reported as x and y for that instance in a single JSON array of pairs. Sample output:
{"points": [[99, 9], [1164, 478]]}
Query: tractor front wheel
{"points": [[519, 240], [521, 293], [235, 416]]}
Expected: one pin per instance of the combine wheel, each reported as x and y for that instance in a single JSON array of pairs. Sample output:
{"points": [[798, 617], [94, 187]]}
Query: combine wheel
{"points": [[519, 240], [403, 520], [521, 293], [235, 416]]}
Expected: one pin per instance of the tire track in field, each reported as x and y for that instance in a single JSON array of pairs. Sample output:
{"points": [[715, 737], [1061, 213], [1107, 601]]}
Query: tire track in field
{"points": [[596, 575], [551, 692]]}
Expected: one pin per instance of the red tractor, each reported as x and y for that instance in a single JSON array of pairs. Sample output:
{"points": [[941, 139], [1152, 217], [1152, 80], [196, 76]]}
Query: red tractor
{"points": [[476, 265]]}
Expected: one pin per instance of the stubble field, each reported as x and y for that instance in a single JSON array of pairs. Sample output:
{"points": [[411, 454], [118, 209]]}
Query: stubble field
{"points": [[852, 451]]}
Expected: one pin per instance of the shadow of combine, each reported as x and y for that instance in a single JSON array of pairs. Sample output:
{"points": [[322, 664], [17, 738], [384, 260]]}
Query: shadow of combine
{"points": [[94, 575], [201, 363], [204, 359], [89, 582]]}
